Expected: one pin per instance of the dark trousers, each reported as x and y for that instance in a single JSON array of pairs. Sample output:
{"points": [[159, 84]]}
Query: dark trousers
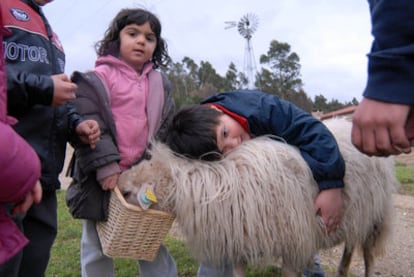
{"points": [[39, 225]]}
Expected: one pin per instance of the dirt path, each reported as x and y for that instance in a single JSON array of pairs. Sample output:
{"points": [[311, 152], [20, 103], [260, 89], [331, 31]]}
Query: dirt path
{"points": [[399, 259]]}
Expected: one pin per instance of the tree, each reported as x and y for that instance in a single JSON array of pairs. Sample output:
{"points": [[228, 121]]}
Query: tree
{"points": [[180, 81], [268, 83], [302, 100], [192, 70], [192, 82], [334, 105], [320, 103], [283, 75], [279, 75], [354, 102], [234, 80], [208, 75]]}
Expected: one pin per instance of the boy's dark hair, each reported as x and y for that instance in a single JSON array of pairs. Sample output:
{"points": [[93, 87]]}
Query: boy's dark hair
{"points": [[110, 44], [192, 132]]}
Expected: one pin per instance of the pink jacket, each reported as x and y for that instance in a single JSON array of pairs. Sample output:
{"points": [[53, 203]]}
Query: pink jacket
{"points": [[136, 113], [19, 170]]}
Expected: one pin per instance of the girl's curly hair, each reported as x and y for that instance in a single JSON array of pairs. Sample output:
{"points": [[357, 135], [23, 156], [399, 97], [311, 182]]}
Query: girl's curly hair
{"points": [[110, 44]]}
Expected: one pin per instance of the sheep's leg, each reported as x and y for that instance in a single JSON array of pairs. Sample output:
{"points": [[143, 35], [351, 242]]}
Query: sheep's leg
{"points": [[343, 267], [372, 245], [239, 270], [368, 259]]}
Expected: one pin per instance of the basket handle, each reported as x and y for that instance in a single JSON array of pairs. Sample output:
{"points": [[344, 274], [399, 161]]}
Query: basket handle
{"points": [[121, 198]]}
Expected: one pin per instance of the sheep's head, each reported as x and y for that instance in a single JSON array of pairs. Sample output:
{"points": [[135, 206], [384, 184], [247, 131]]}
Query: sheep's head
{"points": [[149, 172]]}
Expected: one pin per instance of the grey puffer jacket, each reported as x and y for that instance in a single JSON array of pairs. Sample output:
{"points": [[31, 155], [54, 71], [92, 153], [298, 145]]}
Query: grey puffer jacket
{"points": [[84, 197]]}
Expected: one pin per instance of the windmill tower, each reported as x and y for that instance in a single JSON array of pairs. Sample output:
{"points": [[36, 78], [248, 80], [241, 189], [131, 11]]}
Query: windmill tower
{"points": [[247, 26]]}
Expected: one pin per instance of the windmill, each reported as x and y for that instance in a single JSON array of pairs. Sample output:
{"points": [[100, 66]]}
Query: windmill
{"points": [[247, 26]]}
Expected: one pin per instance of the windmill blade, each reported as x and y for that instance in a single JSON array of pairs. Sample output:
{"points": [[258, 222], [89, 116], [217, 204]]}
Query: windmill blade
{"points": [[230, 24], [248, 25]]}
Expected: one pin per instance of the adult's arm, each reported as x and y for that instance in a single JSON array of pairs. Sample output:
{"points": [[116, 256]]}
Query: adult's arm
{"points": [[391, 60]]}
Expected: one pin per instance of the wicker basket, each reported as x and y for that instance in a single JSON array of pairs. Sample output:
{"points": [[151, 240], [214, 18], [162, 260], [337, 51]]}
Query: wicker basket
{"points": [[132, 232]]}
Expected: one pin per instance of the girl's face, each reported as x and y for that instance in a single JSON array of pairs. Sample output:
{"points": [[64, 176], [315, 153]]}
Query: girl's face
{"points": [[229, 134], [137, 45]]}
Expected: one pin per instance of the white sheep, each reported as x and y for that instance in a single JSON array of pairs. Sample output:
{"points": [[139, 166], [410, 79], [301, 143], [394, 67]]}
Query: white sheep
{"points": [[256, 204]]}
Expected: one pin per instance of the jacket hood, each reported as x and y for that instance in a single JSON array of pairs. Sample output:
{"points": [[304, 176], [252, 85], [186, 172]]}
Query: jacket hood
{"points": [[122, 66]]}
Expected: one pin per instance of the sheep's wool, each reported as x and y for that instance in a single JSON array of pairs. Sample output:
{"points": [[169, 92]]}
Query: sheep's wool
{"points": [[256, 204]]}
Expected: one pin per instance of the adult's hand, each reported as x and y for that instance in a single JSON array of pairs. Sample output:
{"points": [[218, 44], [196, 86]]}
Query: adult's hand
{"points": [[379, 128]]}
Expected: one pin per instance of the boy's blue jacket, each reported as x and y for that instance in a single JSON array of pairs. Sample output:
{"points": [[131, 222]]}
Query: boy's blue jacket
{"points": [[267, 114]]}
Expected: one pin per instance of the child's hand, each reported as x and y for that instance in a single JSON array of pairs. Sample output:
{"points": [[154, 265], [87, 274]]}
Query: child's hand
{"points": [[110, 182], [329, 205], [33, 196], [63, 89], [89, 132]]}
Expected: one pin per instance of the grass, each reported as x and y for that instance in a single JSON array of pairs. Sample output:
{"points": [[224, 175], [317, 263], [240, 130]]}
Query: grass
{"points": [[406, 177], [65, 256], [64, 261]]}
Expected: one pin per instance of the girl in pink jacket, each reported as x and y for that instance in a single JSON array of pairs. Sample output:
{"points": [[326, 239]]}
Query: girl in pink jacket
{"points": [[19, 174], [132, 102]]}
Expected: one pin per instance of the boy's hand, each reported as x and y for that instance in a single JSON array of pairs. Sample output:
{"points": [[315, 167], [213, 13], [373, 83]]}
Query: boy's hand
{"points": [[329, 205], [63, 89], [33, 196], [89, 132]]}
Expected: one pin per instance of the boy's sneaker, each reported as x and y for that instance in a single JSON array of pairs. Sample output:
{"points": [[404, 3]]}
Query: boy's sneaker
{"points": [[316, 271]]}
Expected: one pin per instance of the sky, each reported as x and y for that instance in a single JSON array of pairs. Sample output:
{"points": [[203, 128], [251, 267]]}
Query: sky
{"points": [[332, 38]]}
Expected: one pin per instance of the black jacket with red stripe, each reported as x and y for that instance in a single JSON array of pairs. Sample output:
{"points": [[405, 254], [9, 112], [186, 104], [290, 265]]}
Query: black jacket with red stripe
{"points": [[33, 53]]}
